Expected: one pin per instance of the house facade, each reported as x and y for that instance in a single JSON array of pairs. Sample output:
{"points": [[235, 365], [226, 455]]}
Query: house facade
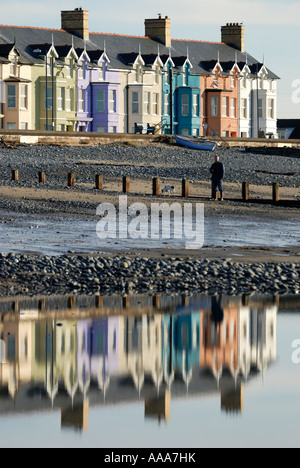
{"points": [[258, 101], [16, 89], [54, 80], [98, 93], [220, 99], [181, 97]]}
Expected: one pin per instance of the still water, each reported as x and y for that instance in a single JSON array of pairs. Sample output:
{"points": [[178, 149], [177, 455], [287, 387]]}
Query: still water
{"points": [[162, 372]]}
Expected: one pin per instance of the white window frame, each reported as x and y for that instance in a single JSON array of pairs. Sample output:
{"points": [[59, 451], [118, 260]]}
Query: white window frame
{"points": [[271, 108], [155, 103], [147, 99], [224, 106], [69, 100], [112, 100], [195, 105], [233, 108], [24, 96], [167, 104], [81, 100], [61, 98]]}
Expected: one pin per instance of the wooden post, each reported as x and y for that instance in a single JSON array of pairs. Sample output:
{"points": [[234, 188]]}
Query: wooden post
{"points": [[185, 301], [15, 175], [126, 184], [99, 302], [15, 306], [71, 302], [71, 179], [42, 177], [156, 302], [126, 302], [155, 187], [245, 191], [99, 182], [42, 304], [276, 192], [185, 188]]}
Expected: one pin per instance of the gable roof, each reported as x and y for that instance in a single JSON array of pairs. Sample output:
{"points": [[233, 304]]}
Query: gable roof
{"points": [[123, 50]]}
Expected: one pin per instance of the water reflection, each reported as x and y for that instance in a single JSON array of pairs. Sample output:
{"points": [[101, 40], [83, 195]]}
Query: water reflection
{"points": [[74, 354]]}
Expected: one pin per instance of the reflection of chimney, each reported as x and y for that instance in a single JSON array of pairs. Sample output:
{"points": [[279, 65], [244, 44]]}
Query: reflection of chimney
{"points": [[159, 407], [75, 417], [76, 22], [233, 401], [159, 30], [233, 34]]}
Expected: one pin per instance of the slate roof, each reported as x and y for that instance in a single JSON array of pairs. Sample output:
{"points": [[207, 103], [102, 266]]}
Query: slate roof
{"points": [[119, 46], [290, 123]]}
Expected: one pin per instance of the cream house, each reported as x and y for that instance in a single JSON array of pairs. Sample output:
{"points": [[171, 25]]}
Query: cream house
{"points": [[15, 89]]}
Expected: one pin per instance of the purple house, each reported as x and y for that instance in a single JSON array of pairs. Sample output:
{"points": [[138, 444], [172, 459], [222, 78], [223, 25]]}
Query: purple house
{"points": [[98, 350], [97, 93]]}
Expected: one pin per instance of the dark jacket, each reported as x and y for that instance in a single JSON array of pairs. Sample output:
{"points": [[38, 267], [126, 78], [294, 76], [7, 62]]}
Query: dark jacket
{"points": [[218, 171]]}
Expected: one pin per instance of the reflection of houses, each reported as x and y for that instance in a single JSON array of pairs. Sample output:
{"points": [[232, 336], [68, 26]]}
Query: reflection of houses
{"points": [[19, 355], [77, 364], [181, 346], [141, 356], [257, 339], [97, 352], [219, 342]]}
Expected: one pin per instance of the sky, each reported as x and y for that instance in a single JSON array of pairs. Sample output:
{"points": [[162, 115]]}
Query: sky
{"points": [[272, 30]]}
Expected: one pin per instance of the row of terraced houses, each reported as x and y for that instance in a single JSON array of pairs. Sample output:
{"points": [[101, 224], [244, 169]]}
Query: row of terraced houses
{"points": [[70, 79]]}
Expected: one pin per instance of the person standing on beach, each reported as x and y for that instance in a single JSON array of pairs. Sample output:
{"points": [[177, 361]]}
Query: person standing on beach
{"points": [[217, 171]]}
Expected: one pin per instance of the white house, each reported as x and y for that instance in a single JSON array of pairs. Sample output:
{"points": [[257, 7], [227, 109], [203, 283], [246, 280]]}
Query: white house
{"points": [[258, 101]]}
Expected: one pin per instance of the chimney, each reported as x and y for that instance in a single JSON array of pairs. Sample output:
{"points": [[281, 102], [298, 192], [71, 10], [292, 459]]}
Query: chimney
{"points": [[233, 35], [76, 22], [159, 30]]}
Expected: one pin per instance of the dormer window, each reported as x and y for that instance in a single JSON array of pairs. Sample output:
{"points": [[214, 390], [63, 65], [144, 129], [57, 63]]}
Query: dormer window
{"points": [[80, 71], [101, 72], [13, 66], [167, 76], [69, 66], [233, 81], [157, 75], [138, 77]]}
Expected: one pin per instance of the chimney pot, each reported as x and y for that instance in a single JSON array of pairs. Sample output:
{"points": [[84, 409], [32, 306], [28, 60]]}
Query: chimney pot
{"points": [[159, 30], [76, 22], [233, 35]]}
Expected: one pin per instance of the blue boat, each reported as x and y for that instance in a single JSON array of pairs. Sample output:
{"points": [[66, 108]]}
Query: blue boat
{"points": [[195, 143]]}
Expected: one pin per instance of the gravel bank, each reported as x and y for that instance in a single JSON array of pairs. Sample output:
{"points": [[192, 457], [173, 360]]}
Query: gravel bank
{"points": [[165, 161], [24, 274]]}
